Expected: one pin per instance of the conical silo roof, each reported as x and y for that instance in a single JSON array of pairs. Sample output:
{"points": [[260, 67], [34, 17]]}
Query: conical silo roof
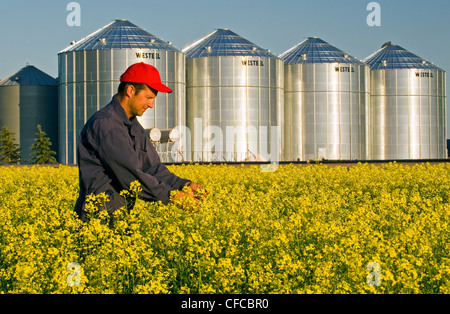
{"points": [[120, 34], [395, 57], [29, 76], [316, 50], [224, 43]]}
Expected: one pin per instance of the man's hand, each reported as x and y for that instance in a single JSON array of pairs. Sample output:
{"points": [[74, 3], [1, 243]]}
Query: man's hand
{"points": [[190, 196], [197, 187], [194, 186], [182, 194]]}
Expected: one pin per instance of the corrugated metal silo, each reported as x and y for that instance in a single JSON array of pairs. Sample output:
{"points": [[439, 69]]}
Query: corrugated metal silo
{"points": [[326, 99], [90, 70], [408, 106], [28, 98], [234, 92]]}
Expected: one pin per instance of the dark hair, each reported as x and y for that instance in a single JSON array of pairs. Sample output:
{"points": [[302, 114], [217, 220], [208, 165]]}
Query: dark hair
{"points": [[138, 86]]}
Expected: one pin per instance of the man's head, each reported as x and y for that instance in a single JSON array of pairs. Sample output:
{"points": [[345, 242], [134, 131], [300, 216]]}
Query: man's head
{"points": [[138, 89], [146, 74], [136, 98]]}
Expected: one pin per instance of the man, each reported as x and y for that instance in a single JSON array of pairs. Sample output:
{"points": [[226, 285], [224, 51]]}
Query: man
{"points": [[114, 151]]}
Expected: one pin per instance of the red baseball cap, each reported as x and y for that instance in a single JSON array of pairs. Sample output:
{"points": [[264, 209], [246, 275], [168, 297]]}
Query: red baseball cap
{"points": [[147, 74]]}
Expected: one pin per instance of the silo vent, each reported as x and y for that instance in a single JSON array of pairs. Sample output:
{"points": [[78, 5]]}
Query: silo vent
{"points": [[254, 49], [384, 62], [102, 41], [152, 41], [304, 56], [388, 43], [208, 49]]}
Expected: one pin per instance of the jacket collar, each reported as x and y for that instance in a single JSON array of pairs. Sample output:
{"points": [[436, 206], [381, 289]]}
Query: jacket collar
{"points": [[120, 112]]}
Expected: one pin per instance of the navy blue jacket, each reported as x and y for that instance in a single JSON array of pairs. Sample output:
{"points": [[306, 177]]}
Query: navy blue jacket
{"points": [[114, 151]]}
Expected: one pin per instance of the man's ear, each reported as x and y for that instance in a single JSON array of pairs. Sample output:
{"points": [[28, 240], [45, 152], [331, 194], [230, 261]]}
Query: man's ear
{"points": [[131, 90]]}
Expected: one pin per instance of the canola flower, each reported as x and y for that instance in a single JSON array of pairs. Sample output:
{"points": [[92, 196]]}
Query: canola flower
{"points": [[301, 229]]}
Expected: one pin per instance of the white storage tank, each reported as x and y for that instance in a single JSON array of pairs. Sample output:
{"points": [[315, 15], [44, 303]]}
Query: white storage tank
{"points": [[234, 92], [89, 74], [326, 99], [408, 106], [27, 98]]}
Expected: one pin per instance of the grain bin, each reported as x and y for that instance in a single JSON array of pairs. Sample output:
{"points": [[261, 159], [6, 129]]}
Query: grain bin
{"points": [[408, 106], [90, 71], [234, 92], [28, 98], [326, 98]]}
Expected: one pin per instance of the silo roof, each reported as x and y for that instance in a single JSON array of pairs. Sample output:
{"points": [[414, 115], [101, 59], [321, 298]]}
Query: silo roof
{"points": [[395, 57], [120, 34], [316, 50], [29, 76], [223, 43]]}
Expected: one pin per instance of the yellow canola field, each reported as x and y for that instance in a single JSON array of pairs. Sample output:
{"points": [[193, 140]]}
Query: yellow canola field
{"points": [[307, 229]]}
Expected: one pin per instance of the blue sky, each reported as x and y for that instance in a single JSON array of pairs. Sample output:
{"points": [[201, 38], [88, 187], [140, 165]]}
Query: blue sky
{"points": [[35, 31]]}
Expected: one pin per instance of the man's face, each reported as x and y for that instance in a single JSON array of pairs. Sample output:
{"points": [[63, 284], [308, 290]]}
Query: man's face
{"points": [[140, 102]]}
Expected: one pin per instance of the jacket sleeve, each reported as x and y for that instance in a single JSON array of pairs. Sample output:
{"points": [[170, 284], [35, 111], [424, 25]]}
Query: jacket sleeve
{"points": [[164, 175], [160, 171], [116, 152]]}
